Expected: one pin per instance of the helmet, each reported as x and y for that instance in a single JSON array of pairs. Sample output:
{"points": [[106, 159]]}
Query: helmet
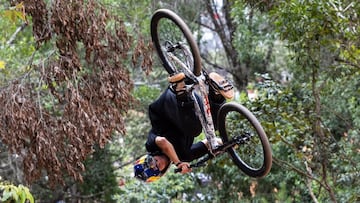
{"points": [[146, 169]]}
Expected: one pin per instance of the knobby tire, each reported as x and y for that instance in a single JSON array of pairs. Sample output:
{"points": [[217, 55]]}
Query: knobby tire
{"points": [[264, 169], [168, 14]]}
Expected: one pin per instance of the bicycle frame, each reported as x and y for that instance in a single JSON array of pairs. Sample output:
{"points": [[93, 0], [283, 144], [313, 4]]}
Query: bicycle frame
{"points": [[199, 86], [219, 150], [205, 116]]}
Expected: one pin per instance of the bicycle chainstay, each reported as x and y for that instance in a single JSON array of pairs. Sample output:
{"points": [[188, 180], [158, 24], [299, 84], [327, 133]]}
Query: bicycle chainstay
{"points": [[238, 140]]}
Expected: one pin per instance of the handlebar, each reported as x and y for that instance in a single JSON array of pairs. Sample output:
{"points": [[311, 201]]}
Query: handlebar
{"points": [[178, 170], [200, 163], [221, 149]]}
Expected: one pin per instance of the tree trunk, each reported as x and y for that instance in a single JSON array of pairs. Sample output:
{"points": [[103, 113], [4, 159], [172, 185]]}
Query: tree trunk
{"points": [[320, 139], [225, 29]]}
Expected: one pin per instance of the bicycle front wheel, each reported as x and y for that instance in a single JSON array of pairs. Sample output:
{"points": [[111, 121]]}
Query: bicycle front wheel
{"points": [[175, 43], [252, 154]]}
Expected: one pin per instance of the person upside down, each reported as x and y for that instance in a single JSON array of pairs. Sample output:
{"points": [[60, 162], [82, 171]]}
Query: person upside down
{"points": [[175, 126]]}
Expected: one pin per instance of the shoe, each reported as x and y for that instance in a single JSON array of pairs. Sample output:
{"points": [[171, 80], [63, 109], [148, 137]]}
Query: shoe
{"points": [[217, 142], [221, 86], [177, 83], [176, 77]]}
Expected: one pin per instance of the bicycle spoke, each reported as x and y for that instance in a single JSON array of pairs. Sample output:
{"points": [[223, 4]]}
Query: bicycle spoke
{"points": [[178, 63], [175, 47], [249, 148]]}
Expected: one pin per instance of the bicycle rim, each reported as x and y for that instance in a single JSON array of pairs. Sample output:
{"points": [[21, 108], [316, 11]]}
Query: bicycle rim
{"points": [[168, 29], [253, 156]]}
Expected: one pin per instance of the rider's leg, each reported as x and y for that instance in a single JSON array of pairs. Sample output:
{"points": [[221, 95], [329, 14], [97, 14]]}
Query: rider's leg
{"points": [[177, 85], [198, 150], [201, 148]]}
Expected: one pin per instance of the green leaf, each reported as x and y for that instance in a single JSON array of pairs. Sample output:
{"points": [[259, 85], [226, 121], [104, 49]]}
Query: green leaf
{"points": [[2, 64], [14, 192], [25, 194], [12, 14], [15, 12], [22, 196], [29, 196], [6, 195], [10, 193]]}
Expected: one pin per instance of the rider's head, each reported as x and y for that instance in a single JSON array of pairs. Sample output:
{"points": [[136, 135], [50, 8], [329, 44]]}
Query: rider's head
{"points": [[151, 167]]}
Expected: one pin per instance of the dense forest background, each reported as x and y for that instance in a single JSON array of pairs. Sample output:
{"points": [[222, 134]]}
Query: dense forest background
{"points": [[76, 78]]}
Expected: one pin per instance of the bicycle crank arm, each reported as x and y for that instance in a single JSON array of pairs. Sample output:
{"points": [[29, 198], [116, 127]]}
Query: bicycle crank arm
{"points": [[236, 141]]}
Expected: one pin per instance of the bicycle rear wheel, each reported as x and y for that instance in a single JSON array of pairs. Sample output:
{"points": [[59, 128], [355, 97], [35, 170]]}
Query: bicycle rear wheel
{"points": [[253, 153], [175, 43]]}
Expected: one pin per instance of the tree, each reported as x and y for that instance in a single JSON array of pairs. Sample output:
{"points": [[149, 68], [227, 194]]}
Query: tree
{"points": [[246, 39], [63, 105], [315, 32], [13, 32]]}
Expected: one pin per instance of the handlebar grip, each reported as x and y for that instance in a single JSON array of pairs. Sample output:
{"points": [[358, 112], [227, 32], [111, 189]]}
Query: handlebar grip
{"points": [[177, 170]]}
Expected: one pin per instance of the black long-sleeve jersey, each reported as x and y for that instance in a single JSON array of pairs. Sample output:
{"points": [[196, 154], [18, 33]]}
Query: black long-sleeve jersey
{"points": [[176, 121]]}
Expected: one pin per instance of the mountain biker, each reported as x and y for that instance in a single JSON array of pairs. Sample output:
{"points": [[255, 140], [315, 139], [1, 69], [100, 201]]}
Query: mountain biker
{"points": [[175, 125]]}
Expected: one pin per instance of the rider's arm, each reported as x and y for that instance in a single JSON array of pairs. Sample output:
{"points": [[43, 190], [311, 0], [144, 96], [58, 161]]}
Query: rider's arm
{"points": [[168, 149]]}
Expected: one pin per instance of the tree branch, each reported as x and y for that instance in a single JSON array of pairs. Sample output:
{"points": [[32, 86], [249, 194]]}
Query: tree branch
{"points": [[338, 59], [216, 66], [18, 30], [296, 169], [205, 26], [308, 184]]}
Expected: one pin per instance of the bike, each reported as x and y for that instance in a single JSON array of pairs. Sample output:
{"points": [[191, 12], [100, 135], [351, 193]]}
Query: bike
{"points": [[241, 133]]}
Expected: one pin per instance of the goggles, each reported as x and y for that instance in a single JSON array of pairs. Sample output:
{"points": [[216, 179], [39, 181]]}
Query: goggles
{"points": [[146, 169]]}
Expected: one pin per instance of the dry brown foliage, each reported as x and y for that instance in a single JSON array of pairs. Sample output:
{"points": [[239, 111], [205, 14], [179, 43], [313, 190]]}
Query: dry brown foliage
{"points": [[54, 115]]}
